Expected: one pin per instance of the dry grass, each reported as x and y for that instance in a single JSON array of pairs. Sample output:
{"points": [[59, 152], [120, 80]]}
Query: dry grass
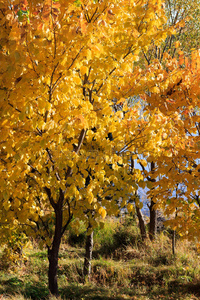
{"points": [[133, 270]]}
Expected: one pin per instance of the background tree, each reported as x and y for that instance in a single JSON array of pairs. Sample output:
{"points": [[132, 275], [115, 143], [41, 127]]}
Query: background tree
{"points": [[185, 16], [178, 191], [183, 19], [163, 81]]}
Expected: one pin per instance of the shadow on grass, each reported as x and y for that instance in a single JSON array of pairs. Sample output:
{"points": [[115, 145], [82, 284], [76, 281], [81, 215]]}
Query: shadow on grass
{"points": [[190, 288], [177, 291], [13, 285], [174, 291], [36, 291], [75, 292], [39, 291]]}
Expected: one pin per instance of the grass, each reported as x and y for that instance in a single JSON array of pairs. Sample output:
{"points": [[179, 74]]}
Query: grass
{"points": [[133, 270]]}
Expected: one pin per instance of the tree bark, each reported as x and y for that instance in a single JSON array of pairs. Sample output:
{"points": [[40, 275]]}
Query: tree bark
{"points": [[153, 221], [153, 213], [173, 241], [88, 255], [53, 253], [174, 236], [141, 224]]}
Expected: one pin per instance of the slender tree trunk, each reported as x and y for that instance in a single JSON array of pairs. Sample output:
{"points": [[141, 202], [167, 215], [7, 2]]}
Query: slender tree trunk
{"points": [[53, 253], [174, 236], [153, 213], [141, 224], [139, 215], [88, 255], [153, 221], [173, 241]]}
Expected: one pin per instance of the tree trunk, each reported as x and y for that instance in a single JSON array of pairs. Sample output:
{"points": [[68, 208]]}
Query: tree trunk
{"points": [[173, 241], [174, 236], [141, 224], [53, 253], [88, 255], [52, 273], [153, 221], [153, 213]]}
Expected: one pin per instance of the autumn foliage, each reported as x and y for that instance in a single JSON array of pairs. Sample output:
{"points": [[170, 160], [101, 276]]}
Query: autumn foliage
{"points": [[67, 130]]}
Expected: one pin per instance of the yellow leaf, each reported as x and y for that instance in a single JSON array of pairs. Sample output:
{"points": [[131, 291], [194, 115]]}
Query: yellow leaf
{"points": [[130, 207], [119, 114], [155, 90], [48, 106], [7, 205], [126, 67], [90, 198], [84, 70], [97, 49], [63, 62], [177, 44], [102, 212], [77, 80], [121, 101]]}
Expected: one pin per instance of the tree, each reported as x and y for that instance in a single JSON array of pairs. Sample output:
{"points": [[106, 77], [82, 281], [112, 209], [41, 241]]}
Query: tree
{"points": [[177, 189], [149, 135], [183, 19], [60, 64], [169, 85], [185, 16]]}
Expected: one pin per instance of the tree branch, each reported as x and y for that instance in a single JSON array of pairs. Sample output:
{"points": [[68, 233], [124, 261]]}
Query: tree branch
{"points": [[48, 191]]}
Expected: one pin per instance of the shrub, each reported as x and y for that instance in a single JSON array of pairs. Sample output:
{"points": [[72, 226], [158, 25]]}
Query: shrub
{"points": [[115, 235], [74, 237], [13, 249]]}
